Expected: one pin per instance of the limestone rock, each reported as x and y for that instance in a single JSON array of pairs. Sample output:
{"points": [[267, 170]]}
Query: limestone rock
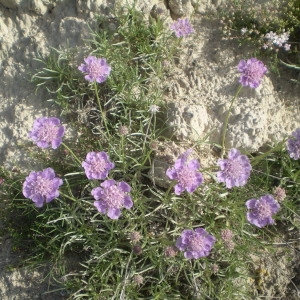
{"points": [[181, 8], [39, 7], [188, 122]]}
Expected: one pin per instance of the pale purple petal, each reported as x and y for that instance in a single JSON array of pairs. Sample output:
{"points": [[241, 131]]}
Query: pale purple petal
{"points": [[101, 206], [178, 189], [97, 193], [113, 213], [172, 173], [251, 203], [194, 164], [128, 202], [125, 187], [293, 145]]}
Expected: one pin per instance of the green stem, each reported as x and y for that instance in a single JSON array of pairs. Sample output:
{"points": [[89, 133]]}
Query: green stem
{"points": [[227, 119], [100, 107], [147, 131], [73, 154]]}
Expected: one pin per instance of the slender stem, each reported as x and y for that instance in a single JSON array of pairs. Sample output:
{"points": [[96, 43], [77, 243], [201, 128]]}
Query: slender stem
{"points": [[73, 154], [100, 107], [227, 119], [147, 131]]}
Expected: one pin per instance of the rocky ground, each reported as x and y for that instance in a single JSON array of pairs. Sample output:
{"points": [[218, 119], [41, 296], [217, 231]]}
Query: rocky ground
{"points": [[199, 91]]}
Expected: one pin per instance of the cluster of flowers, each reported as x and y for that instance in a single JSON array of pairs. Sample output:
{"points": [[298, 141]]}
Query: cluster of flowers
{"points": [[277, 40], [42, 186], [234, 172]]}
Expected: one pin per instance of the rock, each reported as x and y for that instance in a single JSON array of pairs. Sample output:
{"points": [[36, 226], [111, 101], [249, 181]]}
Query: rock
{"points": [[39, 7], [181, 8], [159, 11], [187, 122], [199, 90], [204, 6], [10, 3]]}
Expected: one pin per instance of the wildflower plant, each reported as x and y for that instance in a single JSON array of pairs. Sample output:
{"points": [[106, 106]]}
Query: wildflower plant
{"points": [[135, 239]]}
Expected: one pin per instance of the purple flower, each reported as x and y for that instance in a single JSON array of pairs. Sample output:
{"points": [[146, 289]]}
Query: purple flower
{"points": [[182, 27], [235, 170], [111, 196], [252, 71], [97, 165], [41, 186], [196, 243], [261, 210], [293, 145], [47, 132], [186, 173], [96, 69]]}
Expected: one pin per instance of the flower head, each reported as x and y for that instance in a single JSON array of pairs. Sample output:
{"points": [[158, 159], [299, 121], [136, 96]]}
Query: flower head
{"points": [[154, 108], [96, 69], [182, 27], [135, 236], [97, 165], [47, 132], [261, 210], [293, 145], [252, 71], [279, 193], [227, 236], [235, 170], [111, 197], [244, 30], [138, 279], [196, 243], [170, 251], [279, 40], [123, 130], [186, 173], [41, 186]]}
